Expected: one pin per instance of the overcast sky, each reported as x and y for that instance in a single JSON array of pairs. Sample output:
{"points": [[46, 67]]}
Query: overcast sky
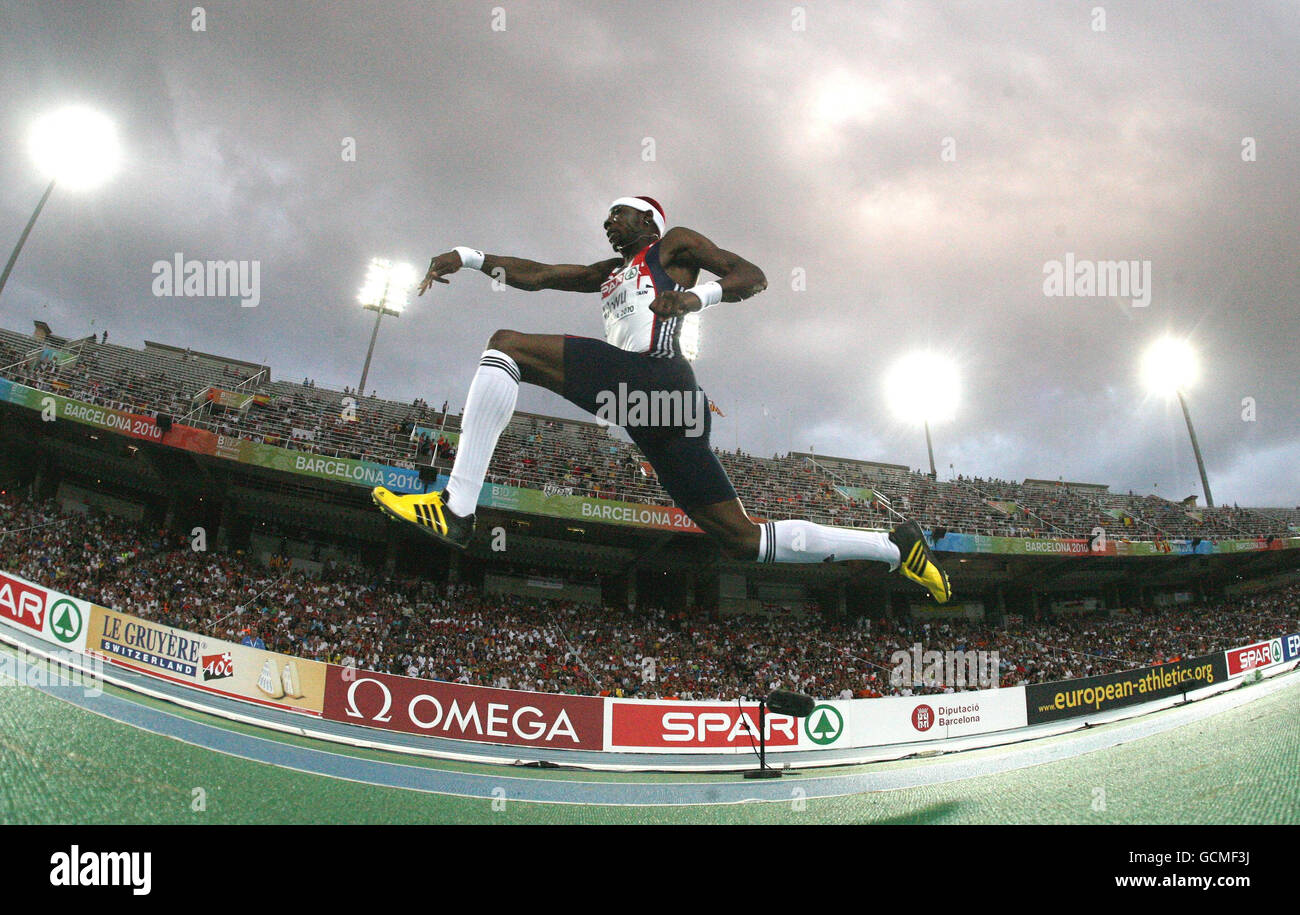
{"points": [[919, 164]]}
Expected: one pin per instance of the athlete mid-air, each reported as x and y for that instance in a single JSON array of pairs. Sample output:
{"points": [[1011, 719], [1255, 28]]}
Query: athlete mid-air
{"points": [[650, 296]]}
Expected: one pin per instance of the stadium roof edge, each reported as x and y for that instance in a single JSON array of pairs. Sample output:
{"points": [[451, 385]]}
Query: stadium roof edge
{"points": [[858, 462], [151, 345], [1099, 487], [520, 414], [43, 334]]}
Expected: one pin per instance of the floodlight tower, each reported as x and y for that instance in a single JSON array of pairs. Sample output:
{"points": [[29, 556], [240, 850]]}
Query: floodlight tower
{"points": [[921, 387], [388, 286], [1168, 368], [76, 147]]}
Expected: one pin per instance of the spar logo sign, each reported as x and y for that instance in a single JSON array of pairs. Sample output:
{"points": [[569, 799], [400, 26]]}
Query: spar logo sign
{"points": [[1251, 657], [56, 618], [22, 603], [691, 727], [66, 620], [824, 726]]}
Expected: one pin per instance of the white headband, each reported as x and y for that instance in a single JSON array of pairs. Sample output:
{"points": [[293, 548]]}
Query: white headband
{"points": [[637, 203]]}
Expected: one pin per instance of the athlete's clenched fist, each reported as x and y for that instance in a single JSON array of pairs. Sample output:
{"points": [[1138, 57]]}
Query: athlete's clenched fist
{"points": [[673, 304]]}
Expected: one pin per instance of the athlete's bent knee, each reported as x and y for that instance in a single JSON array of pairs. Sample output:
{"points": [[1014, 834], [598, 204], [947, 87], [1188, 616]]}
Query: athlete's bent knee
{"points": [[506, 341], [739, 543]]}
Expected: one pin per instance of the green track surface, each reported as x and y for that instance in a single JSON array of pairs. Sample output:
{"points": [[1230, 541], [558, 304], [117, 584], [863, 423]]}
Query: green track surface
{"points": [[62, 764]]}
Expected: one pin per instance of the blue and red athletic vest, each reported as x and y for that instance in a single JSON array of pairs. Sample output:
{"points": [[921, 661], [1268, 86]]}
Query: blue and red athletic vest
{"points": [[625, 298]]}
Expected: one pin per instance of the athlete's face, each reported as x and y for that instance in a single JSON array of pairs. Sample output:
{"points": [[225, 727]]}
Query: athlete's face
{"points": [[624, 226]]}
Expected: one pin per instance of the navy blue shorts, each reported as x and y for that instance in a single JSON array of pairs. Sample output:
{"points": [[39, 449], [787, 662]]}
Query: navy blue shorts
{"points": [[661, 407]]}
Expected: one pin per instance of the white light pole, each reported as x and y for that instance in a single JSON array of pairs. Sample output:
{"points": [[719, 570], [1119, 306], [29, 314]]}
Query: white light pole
{"points": [[921, 387], [1168, 368], [387, 289], [76, 147]]}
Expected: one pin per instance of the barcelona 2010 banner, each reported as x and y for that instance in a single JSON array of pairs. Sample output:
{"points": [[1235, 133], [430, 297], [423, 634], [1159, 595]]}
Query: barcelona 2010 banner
{"points": [[554, 502]]}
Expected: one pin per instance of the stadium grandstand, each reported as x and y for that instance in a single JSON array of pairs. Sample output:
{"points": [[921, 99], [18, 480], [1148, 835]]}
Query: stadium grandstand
{"points": [[488, 636], [239, 399], [119, 506]]}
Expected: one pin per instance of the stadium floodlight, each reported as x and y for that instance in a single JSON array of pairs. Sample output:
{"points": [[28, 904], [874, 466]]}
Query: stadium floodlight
{"points": [[923, 387], [1169, 368], [386, 292], [76, 147]]}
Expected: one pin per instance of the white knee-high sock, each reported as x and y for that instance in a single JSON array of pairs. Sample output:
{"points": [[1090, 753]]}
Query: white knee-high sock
{"points": [[488, 408], [803, 541]]}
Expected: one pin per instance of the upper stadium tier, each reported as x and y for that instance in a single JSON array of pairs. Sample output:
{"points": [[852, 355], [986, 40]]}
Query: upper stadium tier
{"points": [[239, 400]]}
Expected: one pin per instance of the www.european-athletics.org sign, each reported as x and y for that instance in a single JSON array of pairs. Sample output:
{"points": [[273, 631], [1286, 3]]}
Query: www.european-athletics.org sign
{"points": [[1090, 695]]}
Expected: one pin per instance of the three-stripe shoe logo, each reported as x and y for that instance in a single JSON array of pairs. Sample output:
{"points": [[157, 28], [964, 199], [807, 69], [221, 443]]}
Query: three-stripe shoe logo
{"points": [[919, 565], [916, 559], [430, 515]]}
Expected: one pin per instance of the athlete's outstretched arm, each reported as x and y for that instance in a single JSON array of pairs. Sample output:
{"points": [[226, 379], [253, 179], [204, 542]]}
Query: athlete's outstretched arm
{"points": [[525, 274], [684, 247]]}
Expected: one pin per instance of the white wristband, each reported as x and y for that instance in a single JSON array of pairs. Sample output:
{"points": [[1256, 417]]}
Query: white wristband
{"points": [[710, 294], [470, 257]]}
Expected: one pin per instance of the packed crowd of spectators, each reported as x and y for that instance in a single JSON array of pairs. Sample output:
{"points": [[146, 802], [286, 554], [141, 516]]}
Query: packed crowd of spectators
{"points": [[583, 459], [456, 633]]}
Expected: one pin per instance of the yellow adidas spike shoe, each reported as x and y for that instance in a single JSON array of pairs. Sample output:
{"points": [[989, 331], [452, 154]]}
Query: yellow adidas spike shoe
{"points": [[429, 513], [916, 562]]}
